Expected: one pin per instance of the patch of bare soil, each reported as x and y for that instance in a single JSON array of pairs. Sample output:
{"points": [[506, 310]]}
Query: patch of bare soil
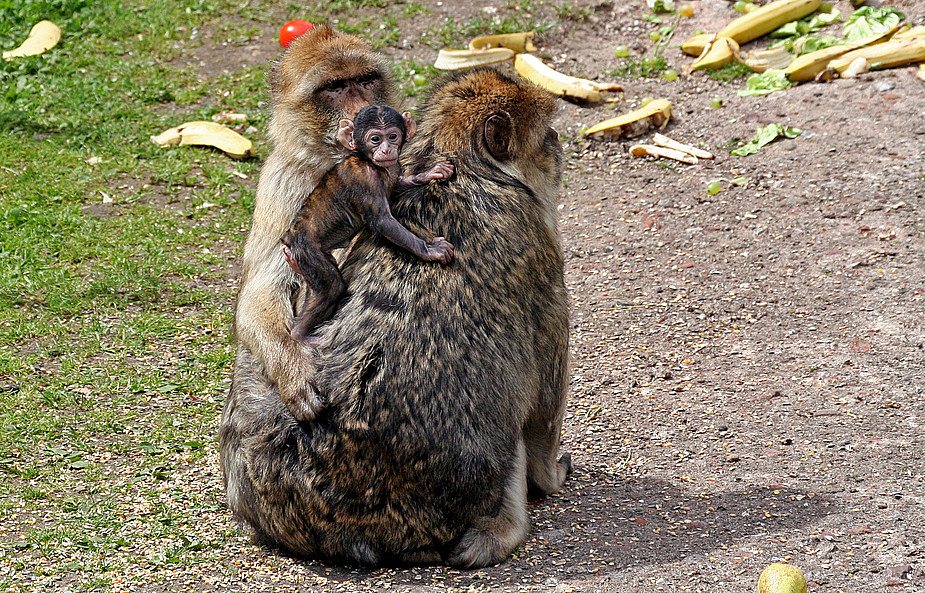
{"points": [[748, 376]]}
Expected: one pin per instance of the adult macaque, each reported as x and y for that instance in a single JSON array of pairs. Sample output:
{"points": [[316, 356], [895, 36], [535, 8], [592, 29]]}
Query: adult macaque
{"points": [[352, 196], [323, 77], [446, 384]]}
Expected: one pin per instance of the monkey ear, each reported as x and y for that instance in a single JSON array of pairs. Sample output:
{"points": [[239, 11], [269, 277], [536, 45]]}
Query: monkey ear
{"points": [[410, 125], [345, 134], [498, 132]]}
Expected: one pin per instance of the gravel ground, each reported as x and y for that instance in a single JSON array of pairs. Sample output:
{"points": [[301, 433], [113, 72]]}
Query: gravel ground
{"points": [[748, 368]]}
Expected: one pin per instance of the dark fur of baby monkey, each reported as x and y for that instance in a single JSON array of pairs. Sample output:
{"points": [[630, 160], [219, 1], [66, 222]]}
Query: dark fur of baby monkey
{"points": [[351, 196], [445, 386]]}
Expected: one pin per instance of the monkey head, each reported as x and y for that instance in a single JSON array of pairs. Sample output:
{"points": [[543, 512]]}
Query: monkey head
{"points": [[325, 75], [378, 132], [484, 112]]}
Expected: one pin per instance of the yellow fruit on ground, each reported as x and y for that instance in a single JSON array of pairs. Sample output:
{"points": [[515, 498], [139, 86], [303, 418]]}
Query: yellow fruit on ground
{"points": [[781, 578]]}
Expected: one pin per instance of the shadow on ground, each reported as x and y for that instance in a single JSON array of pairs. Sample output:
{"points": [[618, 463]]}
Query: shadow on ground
{"points": [[602, 523]]}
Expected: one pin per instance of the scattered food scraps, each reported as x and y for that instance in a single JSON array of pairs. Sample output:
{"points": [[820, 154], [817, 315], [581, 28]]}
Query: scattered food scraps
{"points": [[810, 65], [719, 52], [517, 42], [635, 123], [559, 84], [895, 52], [765, 136], [43, 36], [206, 133], [761, 60], [662, 140], [758, 23], [767, 82], [484, 50], [867, 34], [867, 21], [228, 117], [460, 59], [663, 152]]}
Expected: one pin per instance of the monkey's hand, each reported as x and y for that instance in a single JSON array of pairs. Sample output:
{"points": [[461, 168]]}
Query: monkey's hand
{"points": [[441, 170], [299, 393], [440, 250]]}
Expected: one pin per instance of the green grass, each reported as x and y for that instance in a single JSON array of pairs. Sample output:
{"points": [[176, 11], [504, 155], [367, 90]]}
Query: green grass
{"points": [[730, 72]]}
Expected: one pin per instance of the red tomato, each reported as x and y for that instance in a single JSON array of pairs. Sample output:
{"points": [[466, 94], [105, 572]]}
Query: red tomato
{"points": [[293, 29]]}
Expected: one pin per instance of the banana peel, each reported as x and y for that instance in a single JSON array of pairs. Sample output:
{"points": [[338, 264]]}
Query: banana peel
{"points": [[767, 18], [809, 66], [664, 147], [206, 133], [43, 36], [662, 152], [761, 60], [666, 142], [921, 73], [635, 123], [517, 42], [696, 44], [559, 84], [460, 59], [755, 24], [910, 32], [721, 51], [895, 52]]}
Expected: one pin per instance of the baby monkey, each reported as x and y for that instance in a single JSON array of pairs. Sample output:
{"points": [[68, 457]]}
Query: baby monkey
{"points": [[352, 195]]}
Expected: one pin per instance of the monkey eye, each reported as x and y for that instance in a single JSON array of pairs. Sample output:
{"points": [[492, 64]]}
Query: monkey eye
{"points": [[375, 139], [334, 86], [368, 79], [393, 137]]}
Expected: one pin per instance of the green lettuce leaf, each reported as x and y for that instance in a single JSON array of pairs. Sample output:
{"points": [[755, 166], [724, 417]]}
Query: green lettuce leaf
{"points": [[868, 20], [767, 82], [806, 25], [811, 43], [765, 136]]}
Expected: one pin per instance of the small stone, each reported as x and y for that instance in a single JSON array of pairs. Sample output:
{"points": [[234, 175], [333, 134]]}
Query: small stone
{"points": [[883, 86]]}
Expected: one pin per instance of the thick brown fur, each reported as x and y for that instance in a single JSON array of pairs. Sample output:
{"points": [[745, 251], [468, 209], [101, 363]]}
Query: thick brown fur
{"points": [[352, 196], [446, 385], [323, 77]]}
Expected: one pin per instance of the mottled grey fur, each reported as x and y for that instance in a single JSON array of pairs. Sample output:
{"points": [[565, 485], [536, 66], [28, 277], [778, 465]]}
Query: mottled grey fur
{"points": [[445, 385]]}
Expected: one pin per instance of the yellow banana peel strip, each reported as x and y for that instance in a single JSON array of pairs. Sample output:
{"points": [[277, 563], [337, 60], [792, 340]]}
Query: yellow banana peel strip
{"points": [[910, 32], [665, 141], [517, 42], [895, 52], [206, 133], [760, 60], [755, 24], [662, 152], [635, 123], [808, 66], [43, 36], [559, 84], [460, 59], [696, 44], [721, 51], [767, 18]]}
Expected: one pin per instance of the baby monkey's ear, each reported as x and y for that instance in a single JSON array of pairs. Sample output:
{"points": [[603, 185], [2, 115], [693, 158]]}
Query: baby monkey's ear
{"points": [[345, 134]]}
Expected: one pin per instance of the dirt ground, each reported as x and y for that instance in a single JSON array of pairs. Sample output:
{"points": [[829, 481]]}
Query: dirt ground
{"points": [[748, 379]]}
